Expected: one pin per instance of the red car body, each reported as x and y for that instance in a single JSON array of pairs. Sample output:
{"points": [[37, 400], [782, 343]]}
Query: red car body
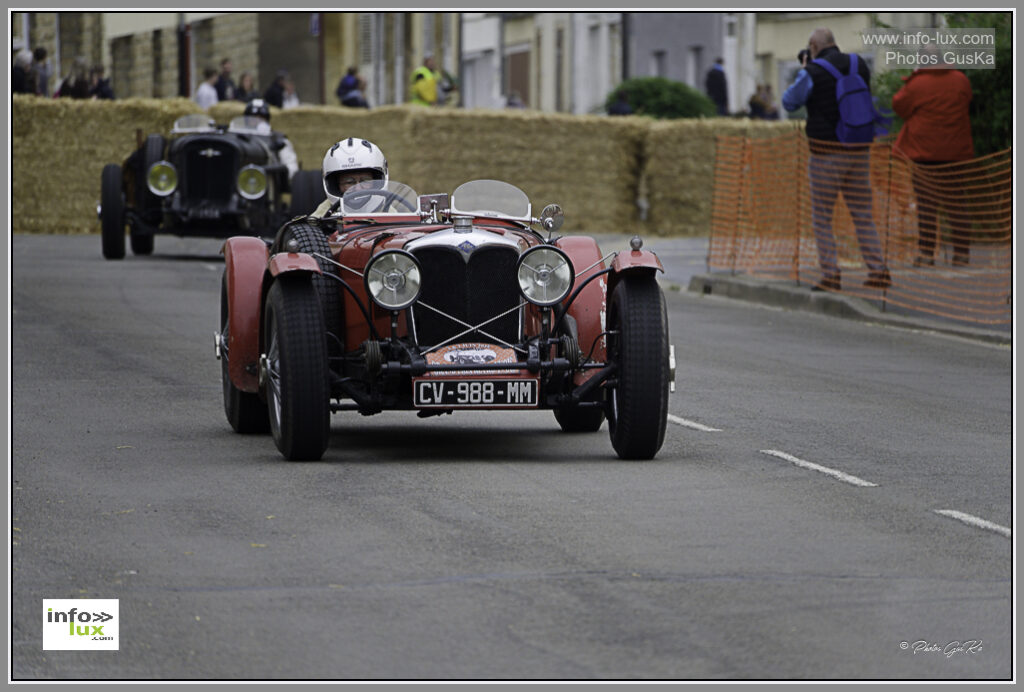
{"points": [[435, 307]]}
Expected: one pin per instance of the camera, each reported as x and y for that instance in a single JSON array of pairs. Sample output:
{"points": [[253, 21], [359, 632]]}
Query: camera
{"points": [[803, 55]]}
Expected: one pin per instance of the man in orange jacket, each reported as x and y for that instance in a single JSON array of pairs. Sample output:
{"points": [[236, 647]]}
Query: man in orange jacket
{"points": [[936, 136]]}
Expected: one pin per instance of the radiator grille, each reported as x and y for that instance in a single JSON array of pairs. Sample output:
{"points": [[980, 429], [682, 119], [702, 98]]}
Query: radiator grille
{"points": [[473, 292], [209, 177]]}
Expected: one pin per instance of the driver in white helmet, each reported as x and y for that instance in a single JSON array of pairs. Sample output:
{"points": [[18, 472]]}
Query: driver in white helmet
{"points": [[285, 151], [351, 162]]}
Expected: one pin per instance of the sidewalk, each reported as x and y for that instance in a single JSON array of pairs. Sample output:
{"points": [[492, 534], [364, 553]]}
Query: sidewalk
{"points": [[789, 295], [685, 262]]}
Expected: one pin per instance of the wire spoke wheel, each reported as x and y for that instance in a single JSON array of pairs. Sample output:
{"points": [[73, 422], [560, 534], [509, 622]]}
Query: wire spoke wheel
{"points": [[296, 373], [310, 239], [273, 374]]}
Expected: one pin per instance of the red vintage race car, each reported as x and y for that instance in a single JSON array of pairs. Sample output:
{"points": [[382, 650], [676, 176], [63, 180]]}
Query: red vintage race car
{"points": [[435, 304]]}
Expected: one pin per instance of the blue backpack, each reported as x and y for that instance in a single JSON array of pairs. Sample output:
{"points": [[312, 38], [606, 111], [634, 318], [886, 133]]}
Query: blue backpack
{"points": [[856, 109]]}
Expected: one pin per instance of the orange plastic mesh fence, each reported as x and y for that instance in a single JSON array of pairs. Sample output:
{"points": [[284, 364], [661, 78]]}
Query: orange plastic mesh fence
{"points": [[798, 209]]}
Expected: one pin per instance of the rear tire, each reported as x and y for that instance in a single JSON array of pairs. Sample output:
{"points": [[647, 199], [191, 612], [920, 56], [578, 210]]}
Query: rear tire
{"points": [[307, 193], [112, 211], [638, 405], [297, 386], [244, 410]]}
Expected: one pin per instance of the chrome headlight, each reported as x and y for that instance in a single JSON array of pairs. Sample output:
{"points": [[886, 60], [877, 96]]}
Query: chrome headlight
{"points": [[545, 275], [393, 279], [162, 179], [252, 182]]}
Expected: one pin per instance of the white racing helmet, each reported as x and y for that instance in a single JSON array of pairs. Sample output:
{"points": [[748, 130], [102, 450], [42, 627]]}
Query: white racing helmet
{"points": [[350, 155]]}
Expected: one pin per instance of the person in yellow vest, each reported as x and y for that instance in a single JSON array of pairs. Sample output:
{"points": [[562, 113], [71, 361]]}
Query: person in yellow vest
{"points": [[423, 83]]}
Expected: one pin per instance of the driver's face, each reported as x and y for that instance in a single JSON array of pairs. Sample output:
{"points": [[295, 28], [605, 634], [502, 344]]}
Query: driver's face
{"points": [[349, 180]]}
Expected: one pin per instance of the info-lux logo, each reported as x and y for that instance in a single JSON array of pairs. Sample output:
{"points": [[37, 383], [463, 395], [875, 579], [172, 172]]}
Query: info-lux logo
{"points": [[81, 624]]}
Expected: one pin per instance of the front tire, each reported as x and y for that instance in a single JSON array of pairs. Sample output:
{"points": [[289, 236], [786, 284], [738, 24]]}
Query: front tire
{"points": [[112, 211], [311, 240], [153, 151], [297, 388], [244, 410], [638, 345]]}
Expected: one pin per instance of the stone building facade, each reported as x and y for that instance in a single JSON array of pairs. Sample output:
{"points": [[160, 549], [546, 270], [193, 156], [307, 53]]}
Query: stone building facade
{"points": [[64, 35], [146, 63], [141, 50]]}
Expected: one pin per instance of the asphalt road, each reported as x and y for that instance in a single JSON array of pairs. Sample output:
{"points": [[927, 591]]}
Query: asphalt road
{"points": [[492, 546]]}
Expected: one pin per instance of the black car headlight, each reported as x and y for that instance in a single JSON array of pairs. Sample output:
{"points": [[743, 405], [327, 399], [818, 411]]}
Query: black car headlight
{"points": [[252, 182], [162, 178], [393, 279], [545, 275]]}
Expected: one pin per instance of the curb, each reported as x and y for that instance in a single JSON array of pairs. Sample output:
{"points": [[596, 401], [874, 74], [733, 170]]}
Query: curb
{"points": [[795, 297]]}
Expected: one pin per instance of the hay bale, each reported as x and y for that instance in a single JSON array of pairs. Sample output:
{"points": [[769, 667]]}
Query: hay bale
{"points": [[59, 148], [593, 166], [588, 164], [313, 129], [679, 168]]}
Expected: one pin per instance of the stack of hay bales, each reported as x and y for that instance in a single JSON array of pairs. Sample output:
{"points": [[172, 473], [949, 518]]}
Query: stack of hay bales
{"points": [[59, 148], [595, 167], [679, 169], [313, 129], [587, 164]]}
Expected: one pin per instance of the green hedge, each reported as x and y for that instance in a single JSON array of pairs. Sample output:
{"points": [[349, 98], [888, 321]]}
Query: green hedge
{"points": [[659, 97]]}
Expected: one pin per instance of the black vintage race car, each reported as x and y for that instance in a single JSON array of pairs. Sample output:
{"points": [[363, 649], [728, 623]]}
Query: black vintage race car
{"points": [[204, 180]]}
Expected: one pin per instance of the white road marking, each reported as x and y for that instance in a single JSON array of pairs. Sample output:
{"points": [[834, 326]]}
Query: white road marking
{"points": [[213, 267], [975, 521], [844, 477], [691, 424]]}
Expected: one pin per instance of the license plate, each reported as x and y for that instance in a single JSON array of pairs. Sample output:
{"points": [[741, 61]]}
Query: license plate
{"points": [[429, 393]]}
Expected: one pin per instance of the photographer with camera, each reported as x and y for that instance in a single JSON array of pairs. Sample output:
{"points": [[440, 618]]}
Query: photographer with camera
{"points": [[839, 147]]}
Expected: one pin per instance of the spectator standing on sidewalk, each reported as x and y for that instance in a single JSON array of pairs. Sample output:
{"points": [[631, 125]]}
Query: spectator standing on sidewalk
{"points": [[356, 98], [225, 86], [206, 94], [621, 104], [834, 166], [99, 86], [934, 103], [423, 83], [275, 93], [246, 90], [42, 70], [290, 99], [348, 83], [21, 73], [716, 87], [76, 85]]}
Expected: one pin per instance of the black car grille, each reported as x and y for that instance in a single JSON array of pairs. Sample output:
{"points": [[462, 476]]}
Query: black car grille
{"points": [[209, 174], [472, 291]]}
